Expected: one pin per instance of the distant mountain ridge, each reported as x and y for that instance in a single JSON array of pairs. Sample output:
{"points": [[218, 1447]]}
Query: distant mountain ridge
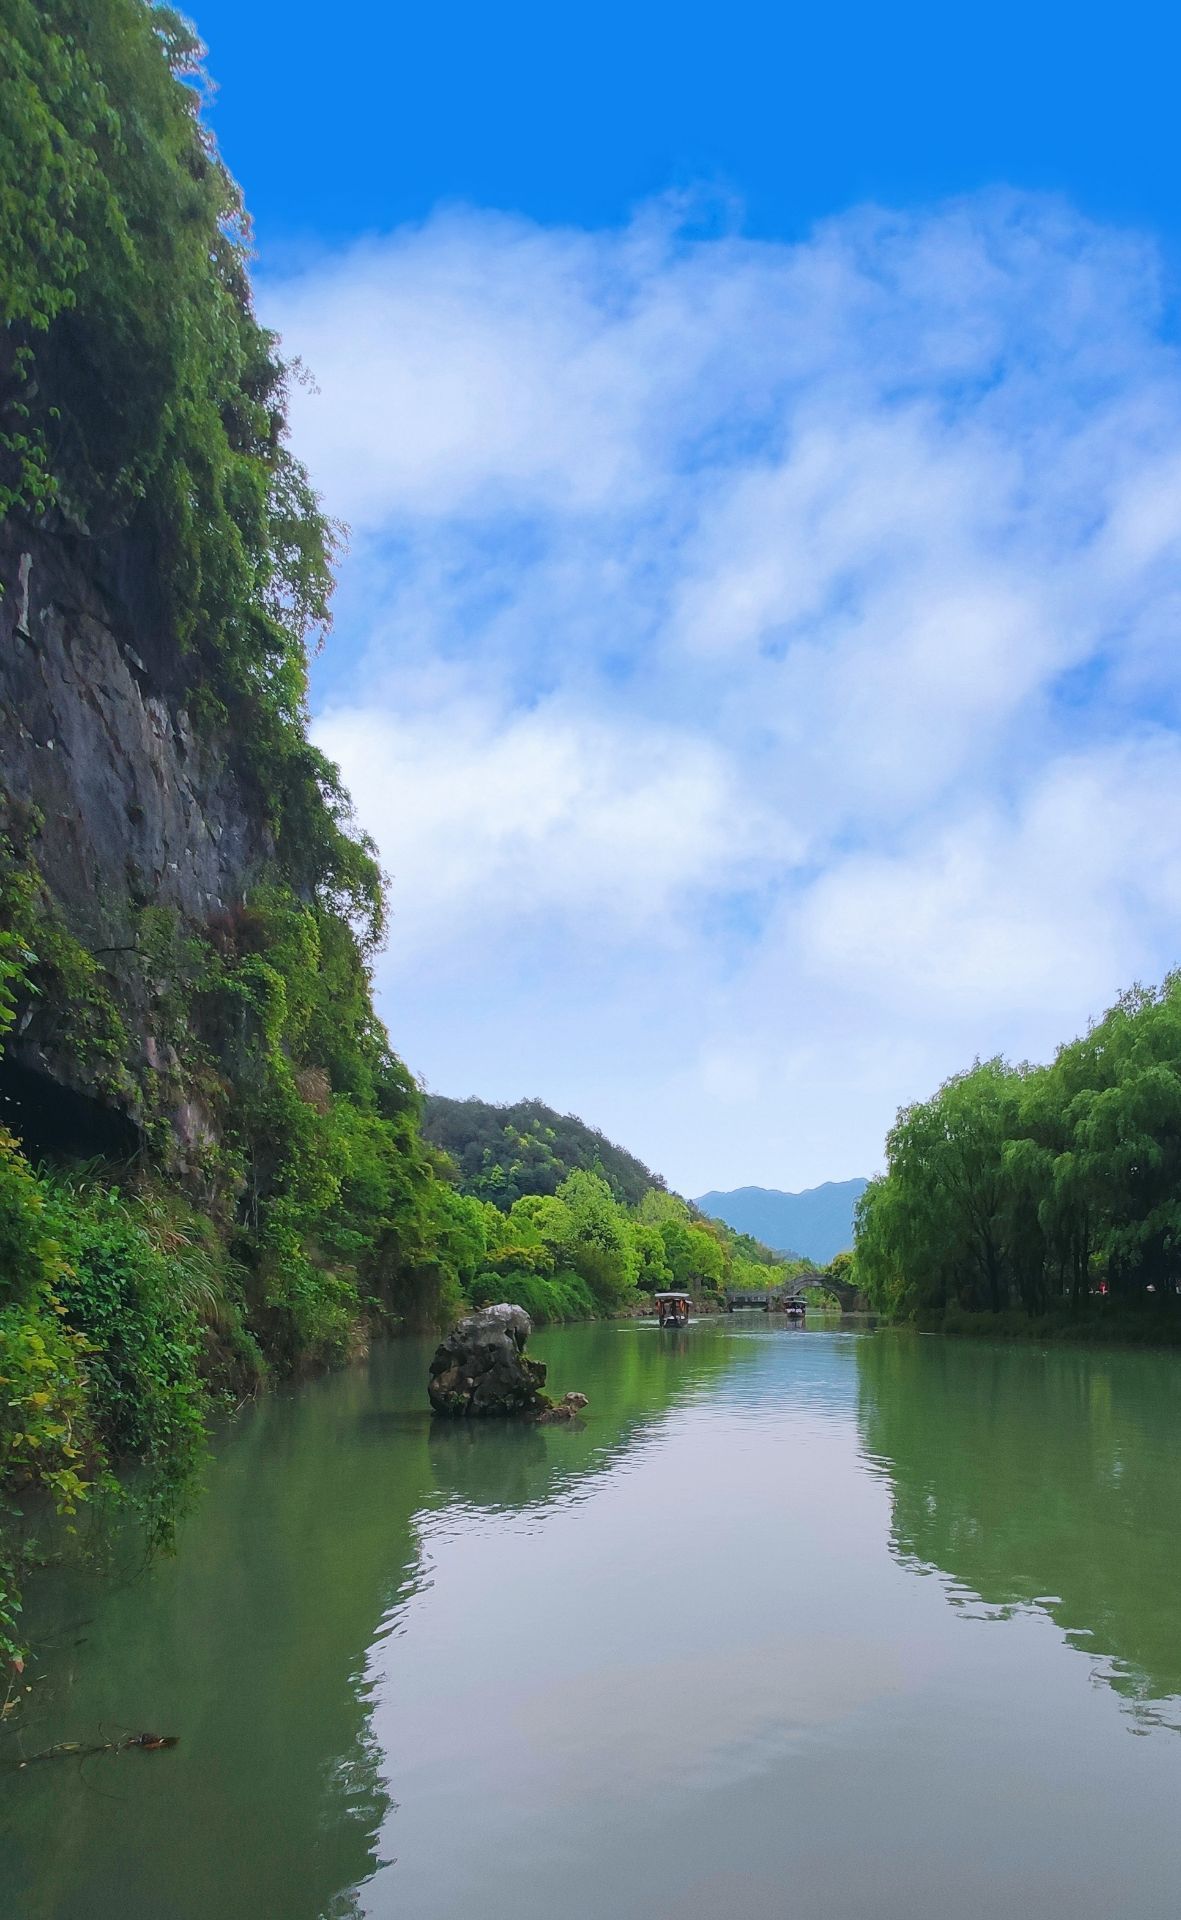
{"points": [[817, 1223]]}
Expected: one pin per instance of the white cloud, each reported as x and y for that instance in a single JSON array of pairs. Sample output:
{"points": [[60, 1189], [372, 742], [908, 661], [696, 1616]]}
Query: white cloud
{"points": [[1009, 912], [757, 661], [504, 820]]}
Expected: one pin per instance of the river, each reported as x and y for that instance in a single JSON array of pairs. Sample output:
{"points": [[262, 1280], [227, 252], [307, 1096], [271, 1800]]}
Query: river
{"points": [[797, 1625]]}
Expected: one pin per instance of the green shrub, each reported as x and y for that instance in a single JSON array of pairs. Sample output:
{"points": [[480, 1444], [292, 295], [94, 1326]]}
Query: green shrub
{"points": [[47, 1444], [126, 1296]]}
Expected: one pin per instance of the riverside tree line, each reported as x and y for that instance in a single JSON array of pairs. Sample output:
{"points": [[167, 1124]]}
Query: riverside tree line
{"points": [[1038, 1189]]}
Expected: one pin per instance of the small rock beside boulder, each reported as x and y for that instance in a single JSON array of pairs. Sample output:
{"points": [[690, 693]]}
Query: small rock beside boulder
{"points": [[567, 1408], [480, 1368]]}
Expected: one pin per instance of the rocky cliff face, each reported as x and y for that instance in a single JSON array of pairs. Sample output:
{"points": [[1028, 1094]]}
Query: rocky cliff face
{"points": [[122, 803]]}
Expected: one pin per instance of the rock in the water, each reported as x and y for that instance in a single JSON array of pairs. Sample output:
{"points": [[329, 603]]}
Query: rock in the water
{"points": [[567, 1408], [481, 1367]]}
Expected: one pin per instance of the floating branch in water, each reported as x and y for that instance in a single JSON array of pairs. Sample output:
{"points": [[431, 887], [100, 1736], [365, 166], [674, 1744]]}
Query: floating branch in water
{"points": [[79, 1750]]}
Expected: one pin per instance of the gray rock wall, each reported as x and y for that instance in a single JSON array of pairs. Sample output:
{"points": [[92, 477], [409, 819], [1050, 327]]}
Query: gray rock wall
{"points": [[105, 782]]}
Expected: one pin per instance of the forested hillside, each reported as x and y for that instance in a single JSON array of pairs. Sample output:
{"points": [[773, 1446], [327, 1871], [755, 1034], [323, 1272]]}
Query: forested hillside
{"points": [[1044, 1191], [504, 1152]]}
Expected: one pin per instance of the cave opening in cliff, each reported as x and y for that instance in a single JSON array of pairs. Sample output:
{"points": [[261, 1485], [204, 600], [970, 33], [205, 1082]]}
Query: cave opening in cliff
{"points": [[56, 1122]]}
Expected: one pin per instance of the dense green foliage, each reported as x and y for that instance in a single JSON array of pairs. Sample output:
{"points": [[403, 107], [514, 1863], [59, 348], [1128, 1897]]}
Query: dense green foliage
{"points": [[581, 1252], [46, 1440], [1039, 1189], [504, 1152], [575, 1224], [42, 963], [140, 391]]}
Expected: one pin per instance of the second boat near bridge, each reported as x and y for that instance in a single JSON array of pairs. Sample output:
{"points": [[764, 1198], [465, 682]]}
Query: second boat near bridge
{"points": [[765, 1300]]}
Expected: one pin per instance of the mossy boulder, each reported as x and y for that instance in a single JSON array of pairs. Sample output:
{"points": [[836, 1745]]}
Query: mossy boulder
{"points": [[481, 1367]]}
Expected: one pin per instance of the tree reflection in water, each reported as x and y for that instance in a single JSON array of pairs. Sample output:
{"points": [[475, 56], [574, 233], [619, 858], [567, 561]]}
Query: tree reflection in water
{"points": [[1040, 1478]]}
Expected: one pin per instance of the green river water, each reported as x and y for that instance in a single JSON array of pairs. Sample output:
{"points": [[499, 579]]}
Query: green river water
{"points": [[796, 1624]]}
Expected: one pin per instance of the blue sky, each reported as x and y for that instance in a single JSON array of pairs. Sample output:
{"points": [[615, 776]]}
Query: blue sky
{"points": [[755, 654], [346, 123]]}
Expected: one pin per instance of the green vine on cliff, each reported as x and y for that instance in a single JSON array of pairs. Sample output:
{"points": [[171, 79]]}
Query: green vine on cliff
{"points": [[41, 961]]}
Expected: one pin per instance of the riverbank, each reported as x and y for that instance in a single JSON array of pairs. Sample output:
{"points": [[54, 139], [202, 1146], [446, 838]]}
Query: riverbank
{"points": [[1101, 1323]]}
